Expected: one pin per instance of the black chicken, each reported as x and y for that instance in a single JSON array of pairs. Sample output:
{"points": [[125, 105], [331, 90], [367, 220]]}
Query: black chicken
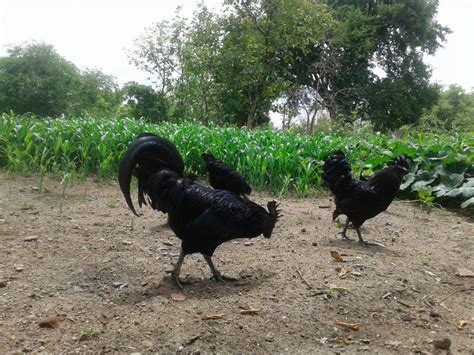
{"points": [[202, 217], [362, 200], [223, 177]]}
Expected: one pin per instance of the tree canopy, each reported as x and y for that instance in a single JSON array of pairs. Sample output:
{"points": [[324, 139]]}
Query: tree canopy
{"points": [[34, 78], [353, 58], [346, 60]]}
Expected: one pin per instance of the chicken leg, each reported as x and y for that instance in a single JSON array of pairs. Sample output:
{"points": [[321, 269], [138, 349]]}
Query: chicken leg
{"points": [[177, 270], [216, 274], [344, 231]]}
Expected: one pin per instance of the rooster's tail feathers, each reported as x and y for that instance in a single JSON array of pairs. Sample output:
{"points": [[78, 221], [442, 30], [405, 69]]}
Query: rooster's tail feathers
{"points": [[337, 172], [146, 156]]}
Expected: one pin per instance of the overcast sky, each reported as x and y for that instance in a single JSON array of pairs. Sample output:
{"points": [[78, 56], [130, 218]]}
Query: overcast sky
{"points": [[95, 33]]}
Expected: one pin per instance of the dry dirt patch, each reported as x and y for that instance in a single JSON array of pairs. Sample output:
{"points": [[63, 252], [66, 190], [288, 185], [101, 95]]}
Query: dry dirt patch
{"points": [[83, 258]]}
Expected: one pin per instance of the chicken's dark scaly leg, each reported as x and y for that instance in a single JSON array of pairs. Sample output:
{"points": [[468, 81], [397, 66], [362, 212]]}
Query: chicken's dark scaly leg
{"points": [[216, 274], [363, 242], [344, 235], [177, 269]]}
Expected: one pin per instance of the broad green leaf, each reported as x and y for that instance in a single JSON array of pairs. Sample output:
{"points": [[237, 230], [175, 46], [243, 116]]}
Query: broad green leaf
{"points": [[409, 179], [468, 203], [465, 192]]}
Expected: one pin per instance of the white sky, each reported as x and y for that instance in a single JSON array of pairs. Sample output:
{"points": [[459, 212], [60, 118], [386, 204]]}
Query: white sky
{"points": [[96, 33]]}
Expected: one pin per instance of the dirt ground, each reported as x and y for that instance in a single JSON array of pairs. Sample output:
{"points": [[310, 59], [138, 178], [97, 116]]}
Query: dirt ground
{"points": [[84, 258]]}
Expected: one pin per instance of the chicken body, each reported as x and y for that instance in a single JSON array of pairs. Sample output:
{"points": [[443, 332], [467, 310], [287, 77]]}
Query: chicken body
{"points": [[223, 177], [362, 200], [202, 217]]}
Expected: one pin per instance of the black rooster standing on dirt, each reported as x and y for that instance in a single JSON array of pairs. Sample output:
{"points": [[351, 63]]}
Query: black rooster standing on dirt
{"points": [[202, 217], [223, 177], [362, 200]]}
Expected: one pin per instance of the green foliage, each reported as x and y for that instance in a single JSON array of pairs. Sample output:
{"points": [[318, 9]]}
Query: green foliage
{"points": [[142, 101], [35, 79], [230, 68], [354, 59], [454, 111], [441, 166], [392, 36], [96, 94]]}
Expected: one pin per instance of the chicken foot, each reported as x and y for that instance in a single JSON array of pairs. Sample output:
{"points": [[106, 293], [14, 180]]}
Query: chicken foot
{"points": [[365, 243], [216, 274]]}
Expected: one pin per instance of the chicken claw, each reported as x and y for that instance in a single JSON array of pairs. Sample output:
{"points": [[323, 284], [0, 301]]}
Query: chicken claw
{"points": [[365, 243], [222, 278], [216, 274]]}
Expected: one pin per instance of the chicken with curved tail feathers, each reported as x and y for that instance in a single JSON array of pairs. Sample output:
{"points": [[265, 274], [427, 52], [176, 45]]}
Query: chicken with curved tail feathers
{"points": [[362, 200], [202, 217]]}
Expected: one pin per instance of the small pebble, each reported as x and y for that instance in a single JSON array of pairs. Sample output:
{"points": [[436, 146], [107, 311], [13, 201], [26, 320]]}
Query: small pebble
{"points": [[406, 318], [443, 344], [30, 238], [269, 337], [147, 344]]}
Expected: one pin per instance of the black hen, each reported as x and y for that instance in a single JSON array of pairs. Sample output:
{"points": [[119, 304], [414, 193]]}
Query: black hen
{"points": [[362, 200], [202, 217], [223, 177]]}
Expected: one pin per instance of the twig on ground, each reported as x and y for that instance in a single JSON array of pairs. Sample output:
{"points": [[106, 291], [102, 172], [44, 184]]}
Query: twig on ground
{"points": [[405, 304], [303, 279], [454, 292]]}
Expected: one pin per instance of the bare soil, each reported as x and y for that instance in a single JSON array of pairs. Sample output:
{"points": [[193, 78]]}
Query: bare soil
{"points": [[82, 257]]}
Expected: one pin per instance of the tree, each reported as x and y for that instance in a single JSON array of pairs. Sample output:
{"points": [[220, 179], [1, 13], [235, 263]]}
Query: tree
{"points": [[370, 64], [453, 111], [355, 59], [198, 88], [143, 101], [97, 93], [35, 78], [228, 68], [388, 36], [159, 51], [258, 51]]}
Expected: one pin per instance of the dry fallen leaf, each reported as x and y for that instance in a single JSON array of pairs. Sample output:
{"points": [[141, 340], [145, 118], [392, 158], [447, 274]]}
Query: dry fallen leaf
{"points": [[50, 322], [337, 257], [463, 272], [461, 324], [213, 316], [342, 273], [177, 296], [353, 326]]}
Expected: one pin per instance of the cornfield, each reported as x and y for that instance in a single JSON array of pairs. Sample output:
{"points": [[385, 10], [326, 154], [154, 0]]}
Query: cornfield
{"points": [[441, 167]]}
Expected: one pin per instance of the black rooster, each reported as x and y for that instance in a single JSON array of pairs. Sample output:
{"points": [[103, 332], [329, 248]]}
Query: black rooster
{"points": [[223, 177], [362, 200], [202, 217]]}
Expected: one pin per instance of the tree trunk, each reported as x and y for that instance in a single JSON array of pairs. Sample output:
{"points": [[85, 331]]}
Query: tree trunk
{"points": [[313, 119], [253, 109]]}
